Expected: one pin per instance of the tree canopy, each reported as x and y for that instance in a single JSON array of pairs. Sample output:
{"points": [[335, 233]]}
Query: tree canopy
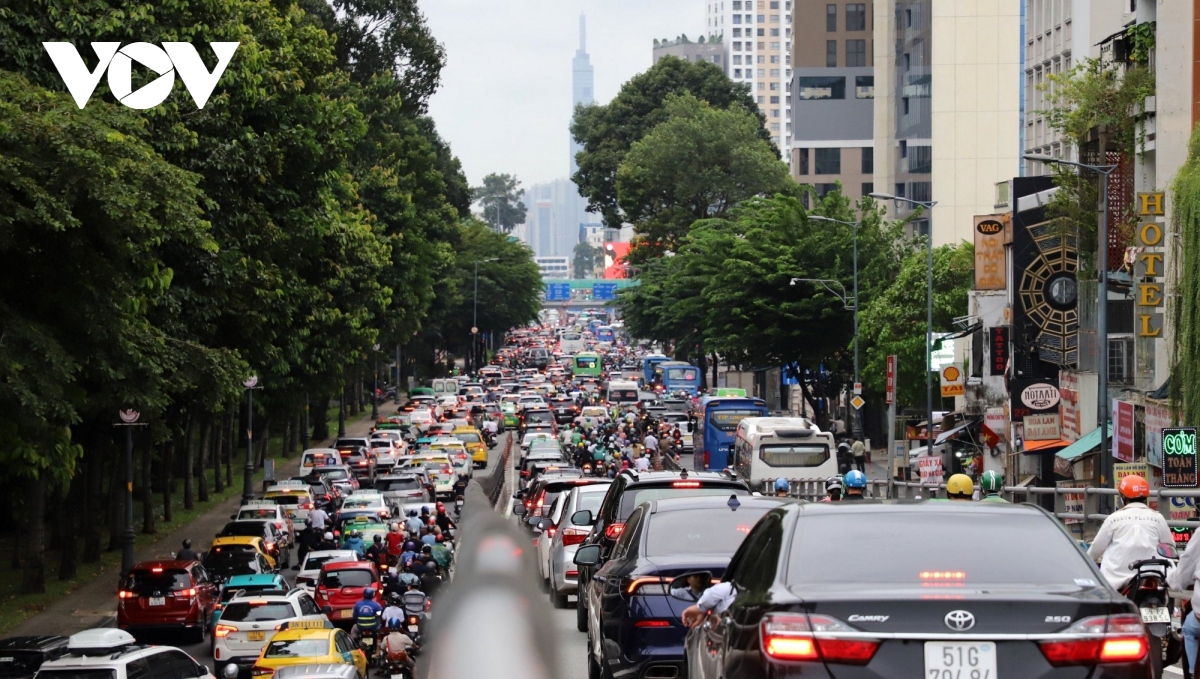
{"points": [[500, 202]]}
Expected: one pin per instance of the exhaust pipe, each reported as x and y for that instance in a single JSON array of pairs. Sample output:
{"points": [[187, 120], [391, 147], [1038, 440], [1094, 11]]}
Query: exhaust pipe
{"points": [[662, 672]]}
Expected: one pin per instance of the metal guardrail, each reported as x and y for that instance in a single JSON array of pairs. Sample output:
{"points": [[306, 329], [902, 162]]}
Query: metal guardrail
{"points": [[814, 489]]}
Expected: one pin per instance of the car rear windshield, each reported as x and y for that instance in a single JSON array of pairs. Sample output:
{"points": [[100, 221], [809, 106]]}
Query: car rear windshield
{"points": [[1021, 550], [397, 484], [141, 581], [469, 437], [319, 459], [285, 499], [348, 577], [257, 611], [242, 528], [795, 454], [700, 531], [20, 663], [297, 648], [257, 514], [336, 474], [78, 674], [635, 496]]}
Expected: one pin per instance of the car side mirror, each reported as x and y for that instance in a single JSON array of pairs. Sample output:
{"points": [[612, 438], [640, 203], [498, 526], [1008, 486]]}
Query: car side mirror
{"points": [[233, 517], [327, 610], [544, 523], [689, 586], [583, 517], [517, 495], [519, 508], [534, 522], [1167, 550], [588, 555]]}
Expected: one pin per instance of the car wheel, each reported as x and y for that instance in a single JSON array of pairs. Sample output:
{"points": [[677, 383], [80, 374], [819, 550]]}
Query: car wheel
{"points": [[580, 612], [197, 632], [557, 599]]}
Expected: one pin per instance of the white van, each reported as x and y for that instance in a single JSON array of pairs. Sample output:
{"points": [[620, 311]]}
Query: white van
{"points": [[571, 342], [445, 386], [794, 448], [319, 457], [621, 392]]}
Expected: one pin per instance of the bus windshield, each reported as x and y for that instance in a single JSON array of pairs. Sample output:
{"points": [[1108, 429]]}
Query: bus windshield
{"points": [[685, 374]]}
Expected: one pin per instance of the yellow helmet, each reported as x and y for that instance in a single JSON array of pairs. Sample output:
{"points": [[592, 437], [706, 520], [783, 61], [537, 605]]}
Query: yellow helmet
{"points": [[960, 485]]}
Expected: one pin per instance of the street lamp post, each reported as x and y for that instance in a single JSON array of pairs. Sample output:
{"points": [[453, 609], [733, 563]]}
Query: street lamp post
{"points": [[129, 420], [928, 205], [475, 308], [1104, 469], [853, 225], [250, 383]]}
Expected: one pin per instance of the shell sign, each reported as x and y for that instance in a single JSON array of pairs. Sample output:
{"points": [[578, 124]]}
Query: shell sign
{"points": [[952, 380]]}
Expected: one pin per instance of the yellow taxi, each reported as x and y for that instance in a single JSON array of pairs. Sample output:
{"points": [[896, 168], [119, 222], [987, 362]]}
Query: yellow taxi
{"points": [[475, 444], [308, 642], [243, 543]]}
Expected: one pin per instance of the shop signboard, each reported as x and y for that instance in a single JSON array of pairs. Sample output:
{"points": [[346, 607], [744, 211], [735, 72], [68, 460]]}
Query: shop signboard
{"points": [[1179, 457], [1158, 418], [1122, 440]]}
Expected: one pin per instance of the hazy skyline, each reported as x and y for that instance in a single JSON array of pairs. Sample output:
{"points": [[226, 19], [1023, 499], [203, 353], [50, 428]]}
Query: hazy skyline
{"points": [[505, 98]]}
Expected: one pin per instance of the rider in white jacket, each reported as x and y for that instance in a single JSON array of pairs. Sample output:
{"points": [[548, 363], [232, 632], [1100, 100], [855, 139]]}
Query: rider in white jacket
{"points": [[1130, 534]]}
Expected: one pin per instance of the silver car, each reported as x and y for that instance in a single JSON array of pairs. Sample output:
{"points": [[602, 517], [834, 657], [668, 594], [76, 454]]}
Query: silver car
{"points": [[401, 489], [563, 576]]}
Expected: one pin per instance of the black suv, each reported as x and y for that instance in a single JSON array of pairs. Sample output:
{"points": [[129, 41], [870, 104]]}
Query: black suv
{"points": [[629, 490], [22, 656]]}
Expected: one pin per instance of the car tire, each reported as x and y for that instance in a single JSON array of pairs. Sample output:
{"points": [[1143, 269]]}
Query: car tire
{"points": [[196, 635], [580, 612], [556, 599]]}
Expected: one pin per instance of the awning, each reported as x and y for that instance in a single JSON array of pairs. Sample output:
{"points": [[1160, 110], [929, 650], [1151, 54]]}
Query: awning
{"points": [[1084, 445], [1045, 446], [947, 435]]}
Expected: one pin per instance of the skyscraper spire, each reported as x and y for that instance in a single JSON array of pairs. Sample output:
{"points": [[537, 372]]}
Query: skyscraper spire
{"points": [[581, 81], [582, 34]]}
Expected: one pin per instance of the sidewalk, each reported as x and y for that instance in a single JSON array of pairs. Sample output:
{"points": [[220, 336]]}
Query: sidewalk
{"points": [[93, 604]]}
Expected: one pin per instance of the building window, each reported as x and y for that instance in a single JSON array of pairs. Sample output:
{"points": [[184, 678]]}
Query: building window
{"points": [[868, 160], [908, 18], [824, 189], [762, 59], [864, 87], [760, 45], [762, 32], [737, 4], [831, 53], [899, 190], [774, 113], [904, 104], [737, 72], [774, 73], [775, 34], [920, 160], [774, 127], [762, 19], [907, 62], [762, 72], [856, 16], [774, 86], [856, 53], [922, 191], [801, 161], [775, 45], [774, 58], [737, 60], [761, 87], [821, 87], [903, 148], [737, 18], [827, 161], [774, 18], [868, 188], [774, 4], [831, 18], [774, 97]]}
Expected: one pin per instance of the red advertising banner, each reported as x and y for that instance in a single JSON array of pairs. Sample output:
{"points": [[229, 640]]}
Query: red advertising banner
{"points": [[998, 336], [890, 385], [1123, 431]]}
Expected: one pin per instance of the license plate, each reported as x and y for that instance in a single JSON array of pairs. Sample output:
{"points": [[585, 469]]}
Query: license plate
{"points": [[1156, 614], [256, 636], [346, 613], [158, 601], [414, 628], [960, 660], [367, 641]]}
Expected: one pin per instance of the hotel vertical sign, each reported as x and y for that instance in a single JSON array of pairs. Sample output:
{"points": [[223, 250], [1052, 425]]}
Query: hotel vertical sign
{"points": [[1148, 272]]}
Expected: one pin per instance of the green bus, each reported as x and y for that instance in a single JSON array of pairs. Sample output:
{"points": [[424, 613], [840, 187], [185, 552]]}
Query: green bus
{"points": [[586, 364]]}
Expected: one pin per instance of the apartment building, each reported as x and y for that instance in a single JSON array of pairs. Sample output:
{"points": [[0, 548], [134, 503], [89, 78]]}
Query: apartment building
{"points": [[757, 35], [832, 94], [681, 48]]}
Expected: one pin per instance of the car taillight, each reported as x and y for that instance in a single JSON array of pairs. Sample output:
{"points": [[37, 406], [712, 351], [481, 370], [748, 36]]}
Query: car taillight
{"points": [[258, 671], [322, 594], [613, 530], [222, 631], [798, 637], [1099, 639], [126, 594], [188, 592], [644, 586], [573, 536], [652, 624], [572, 574]]}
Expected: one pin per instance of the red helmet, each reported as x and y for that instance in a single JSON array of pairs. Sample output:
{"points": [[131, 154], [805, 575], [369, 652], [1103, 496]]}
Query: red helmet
{"points": [[1133, 487]]}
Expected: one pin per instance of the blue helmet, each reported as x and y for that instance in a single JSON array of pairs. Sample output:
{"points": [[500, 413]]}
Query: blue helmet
{"points": [[782, 484], [394, 623], [856, 479]]}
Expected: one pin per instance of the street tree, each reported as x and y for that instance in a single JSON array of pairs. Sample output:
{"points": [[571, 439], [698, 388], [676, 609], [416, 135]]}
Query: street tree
{"points": [[500, 202]]}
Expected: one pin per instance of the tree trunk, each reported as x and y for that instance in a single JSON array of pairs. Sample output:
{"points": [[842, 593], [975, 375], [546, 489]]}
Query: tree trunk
{"points": [[289, 435], [319, 419], [34, 581], [715, 363], [230, 444], [148, 489], [264, 435], [69, 519], [306, 429], [168, 455], [206, 432], [189, 466], [702, 362], [216, 445], [116, 500], [94, 465]]}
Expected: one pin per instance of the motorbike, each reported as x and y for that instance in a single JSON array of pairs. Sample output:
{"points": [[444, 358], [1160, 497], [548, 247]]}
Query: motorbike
{"points": [[1148, 590], [395, 665], [458, 505], [415, 605]]}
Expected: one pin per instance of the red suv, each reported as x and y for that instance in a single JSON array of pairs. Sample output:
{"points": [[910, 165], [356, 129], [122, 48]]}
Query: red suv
{"points": [[340, 585], [167, 595]]}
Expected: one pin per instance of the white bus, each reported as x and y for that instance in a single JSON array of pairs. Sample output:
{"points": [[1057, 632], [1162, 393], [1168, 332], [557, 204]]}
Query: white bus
{"points": [[571, 342], [621, 393], [794, 448]]}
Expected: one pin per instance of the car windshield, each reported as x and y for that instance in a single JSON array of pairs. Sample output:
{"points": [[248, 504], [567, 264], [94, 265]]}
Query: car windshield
{"points": [[78, 673], [318, 459], [347, 577], [257, 611], [142, 581], [297, 648], [635, 496], [1022, 550], [234, 591], [360, 503], [699, 531]]}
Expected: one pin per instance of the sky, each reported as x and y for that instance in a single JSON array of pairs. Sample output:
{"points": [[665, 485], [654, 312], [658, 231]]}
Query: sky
{"points": [[505, 98]]}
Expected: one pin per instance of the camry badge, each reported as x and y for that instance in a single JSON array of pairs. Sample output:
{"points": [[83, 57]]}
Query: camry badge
{"points": [[869, 618], [960, 621]]}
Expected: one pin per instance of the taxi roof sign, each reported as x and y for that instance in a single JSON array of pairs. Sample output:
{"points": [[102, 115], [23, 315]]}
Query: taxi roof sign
{"points": [[307, 624]]}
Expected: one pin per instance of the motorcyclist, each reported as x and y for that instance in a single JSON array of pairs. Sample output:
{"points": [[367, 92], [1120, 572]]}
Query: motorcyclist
{"points": [[187, 553], [395, 542], [410, 551], [856, 483], [442, 519], [396, 645], [355, 542], [377, 552], [990, 484], [782, 487], [309, 540], [833, 490], [327, 542], [412, 523], [1130, 534], [460, 486], [367, 613], [960, 487]]}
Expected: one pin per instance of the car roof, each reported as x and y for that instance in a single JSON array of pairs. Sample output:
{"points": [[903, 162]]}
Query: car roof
{"points": [[917, 507], [253, 579], [677, 504], [317, 671], [174, 564], [40, 643], [347, 565]]}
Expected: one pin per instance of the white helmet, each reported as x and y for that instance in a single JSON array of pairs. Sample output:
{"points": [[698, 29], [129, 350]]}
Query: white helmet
{"points": [[328, 535], [395, 526]]}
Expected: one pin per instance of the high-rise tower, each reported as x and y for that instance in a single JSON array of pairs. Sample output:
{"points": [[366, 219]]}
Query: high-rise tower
{"points": [[581, 82]]}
